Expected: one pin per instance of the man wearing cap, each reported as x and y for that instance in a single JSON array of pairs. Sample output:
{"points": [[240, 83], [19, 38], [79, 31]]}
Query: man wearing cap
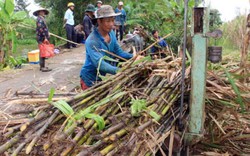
{"points": [[120, 20], [98, 5], [42, 34], [87, 20], [101, 38], [69, 25]]}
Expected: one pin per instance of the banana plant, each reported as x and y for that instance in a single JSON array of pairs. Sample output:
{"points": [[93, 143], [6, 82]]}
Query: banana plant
{"points": [[8, 23]]}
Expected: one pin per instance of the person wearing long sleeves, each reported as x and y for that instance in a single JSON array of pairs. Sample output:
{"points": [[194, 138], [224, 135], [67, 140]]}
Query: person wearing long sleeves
{"points": [[42, 34], [87, 20], [159, 50], [103, 37], [120, 20]]}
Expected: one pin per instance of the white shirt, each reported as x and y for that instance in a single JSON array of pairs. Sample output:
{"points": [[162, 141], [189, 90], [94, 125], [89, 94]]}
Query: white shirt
{"points": [[69, 17]]}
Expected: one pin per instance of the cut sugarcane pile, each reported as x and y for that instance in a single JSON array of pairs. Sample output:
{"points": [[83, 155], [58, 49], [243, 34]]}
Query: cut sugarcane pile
{"points": [[132, 113]]}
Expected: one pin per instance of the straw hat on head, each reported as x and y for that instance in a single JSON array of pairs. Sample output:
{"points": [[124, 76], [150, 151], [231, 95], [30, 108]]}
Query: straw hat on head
{"points": [[106, 11], [35, 13]]}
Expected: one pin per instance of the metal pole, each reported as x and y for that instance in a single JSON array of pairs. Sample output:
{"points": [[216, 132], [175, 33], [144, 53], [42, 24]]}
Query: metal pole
{"points": [[183, 62]]}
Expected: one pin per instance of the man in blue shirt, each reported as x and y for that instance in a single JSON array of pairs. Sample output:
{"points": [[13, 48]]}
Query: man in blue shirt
{"points": [[158, 50], [69, 24], [120, 20], [101, 38]]}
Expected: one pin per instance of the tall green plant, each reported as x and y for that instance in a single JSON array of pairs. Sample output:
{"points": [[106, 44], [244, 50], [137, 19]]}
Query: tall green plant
{"points": [[8, 24]]}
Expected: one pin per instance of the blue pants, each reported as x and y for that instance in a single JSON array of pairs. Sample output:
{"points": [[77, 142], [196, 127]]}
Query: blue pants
{"points": [[71, 35]]}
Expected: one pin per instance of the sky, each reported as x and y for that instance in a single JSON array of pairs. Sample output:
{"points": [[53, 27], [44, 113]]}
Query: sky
{"points": [[229, 9]]}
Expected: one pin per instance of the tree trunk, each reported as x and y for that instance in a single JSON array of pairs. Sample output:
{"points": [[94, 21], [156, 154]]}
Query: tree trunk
{"points": [[244, 50]]}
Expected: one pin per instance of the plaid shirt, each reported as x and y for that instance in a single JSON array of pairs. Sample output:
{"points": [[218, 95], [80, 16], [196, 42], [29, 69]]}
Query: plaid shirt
{"points": [[42, 31]]}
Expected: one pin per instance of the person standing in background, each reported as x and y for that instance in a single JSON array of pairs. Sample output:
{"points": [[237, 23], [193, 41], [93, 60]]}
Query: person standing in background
{"points": [[120, 20], [87, 20], [42, 34], [69, 24], [98, 5]]}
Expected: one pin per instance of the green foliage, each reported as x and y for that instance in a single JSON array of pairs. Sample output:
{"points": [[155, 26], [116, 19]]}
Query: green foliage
{"points": [[139, 105], [64, 107], [236, 90], [8, 24], [165, 16], [98, 119], [232, 33], [9, 6], [214, 20], [26, 41], [51, 94]]}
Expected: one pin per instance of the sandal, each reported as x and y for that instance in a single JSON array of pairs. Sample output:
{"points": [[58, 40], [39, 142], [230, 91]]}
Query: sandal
{"points": [[45, 69]]}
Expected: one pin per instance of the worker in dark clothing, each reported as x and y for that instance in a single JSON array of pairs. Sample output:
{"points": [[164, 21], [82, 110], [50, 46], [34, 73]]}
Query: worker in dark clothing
{"points": [[79, 33], [69, 24], [120, 20], [87, 20], [42, 34], [159, 50]]}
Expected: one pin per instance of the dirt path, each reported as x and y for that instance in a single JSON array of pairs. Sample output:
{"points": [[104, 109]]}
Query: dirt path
{"points": [[64, 77]]}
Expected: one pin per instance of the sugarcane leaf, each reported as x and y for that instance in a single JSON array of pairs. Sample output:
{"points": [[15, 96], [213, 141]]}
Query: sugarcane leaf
{"points": [[156, 116], [236, 90], [147, 59], [64, 107], [98, 119], [114, 96], [51, 94], [105, 57], [138, 105]]}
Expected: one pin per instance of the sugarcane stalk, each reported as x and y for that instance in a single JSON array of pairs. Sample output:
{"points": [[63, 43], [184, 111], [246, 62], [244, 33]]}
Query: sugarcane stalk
{"points": [[38, 117], [11, 131], [9, 143], [112, 129], [75, 140], [90, 123], [41, 131], [135, 149], [108, 149], [36, 127], [66, 133]]}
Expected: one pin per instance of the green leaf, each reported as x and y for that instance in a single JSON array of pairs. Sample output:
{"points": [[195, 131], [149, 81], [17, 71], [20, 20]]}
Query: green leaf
{"points": [[9, 6], [236, 90], [156, 116], [109, 58], [64, 107], [51, 94], [104, 101], [14, 41], [98, 119], [19, 16], [147, 59], [138, 105]]}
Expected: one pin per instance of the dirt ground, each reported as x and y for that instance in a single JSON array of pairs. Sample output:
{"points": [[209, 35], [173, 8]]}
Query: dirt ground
{"points": [[64, 76]]}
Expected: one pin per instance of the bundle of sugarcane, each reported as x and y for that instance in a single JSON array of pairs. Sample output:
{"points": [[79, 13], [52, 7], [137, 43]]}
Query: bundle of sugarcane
{"points": [[227, 123], [124, 114]]}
